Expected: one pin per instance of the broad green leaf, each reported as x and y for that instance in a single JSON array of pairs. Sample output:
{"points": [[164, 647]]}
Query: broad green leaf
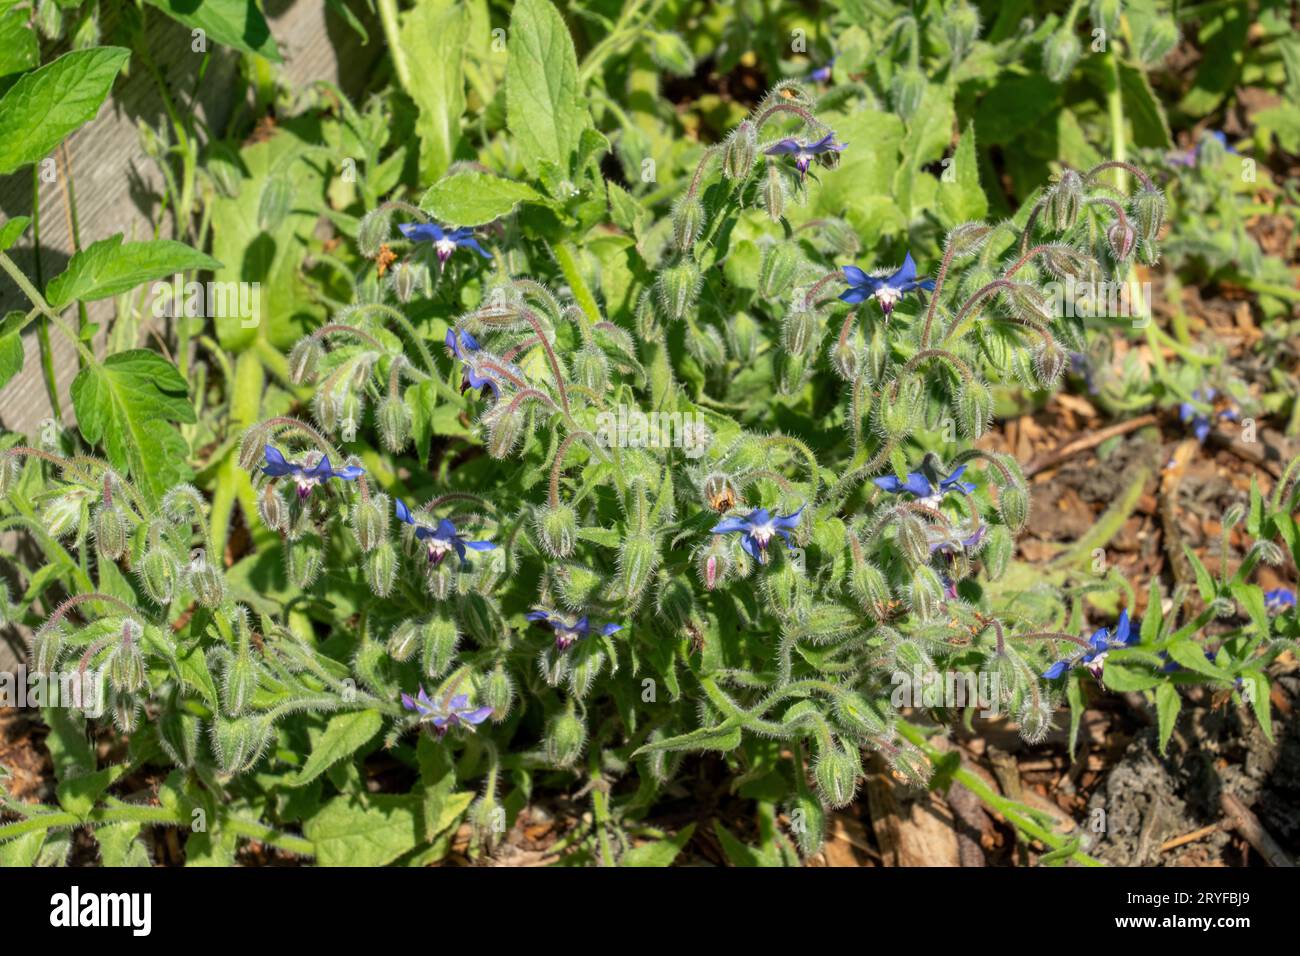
{"points": [[69, 747], [1204, 582], [738, 854], [1144, 112], [1222, 38], [1168, 703], [725, 737], [544, 109], [110, 267], [1251, 597], [234, 23], [343, 735], [44, 106], [960, 197], [118, 845], [19, 48], [433, 38], [348, 833], [1122, 677], [79, 794], [127, 403], [11, 356], [471, 198], [12, 231], [659, 853], [1191, 655]]}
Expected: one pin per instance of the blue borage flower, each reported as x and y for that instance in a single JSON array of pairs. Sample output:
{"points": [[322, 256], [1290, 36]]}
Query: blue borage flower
{"points": [[1203, 424], [822, 74], [1192, 156], [307, 477], [444, 715], [569, 631], [1278, 600], [805, 152], [948, 545], [465, 347], [445, 241], [927, 489], [885, 289], [758, 528], [443, 539], [1100, 644]]}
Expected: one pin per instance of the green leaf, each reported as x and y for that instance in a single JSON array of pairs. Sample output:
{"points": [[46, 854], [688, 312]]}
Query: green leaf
{"points": [[12, 231], [343, 735], [1256, 684], [433, 37], [19, 48], [1251, 597], [544, 109], [110, 267], [347, 833], [1192, 656], [660, 853], [234, 23], [79, 794], [724, 737], [737, 853], [1144, 112], [1222, 38], [1168, 703], [960, 197], [472, 198], [1122, 678], [127, 403], [1204, 581], [11, 356], [47, 104]]}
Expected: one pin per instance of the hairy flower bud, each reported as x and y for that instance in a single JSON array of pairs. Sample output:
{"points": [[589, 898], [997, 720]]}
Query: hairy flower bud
{"points": [[239, 681], [925, 593], [713, 562], [498, 692], [205, 581], [1149, 212], [771, 193], [370, 521], [1106, 14], [836, 770], [740, 150], [1027, 302], [566, 736], [1060, 52], [777, 271], [998, 548], [906, 92], [126, 665], [591, 368], [1049, 362], [374, 230], [403, 641], [237, 742], [557, 529], [304, 560], [897, 414], [961, 27], [64, 513], [11, 469], [178, 733], [800, 329], [637, 559], [505, 429], [272, 510], [304, 360], [440, 640], [110, 532], [974, 408], [871, 588], [394, 420], [1063, 201], [381, 569], [1013, 506], [679, 287], [688, 222], [1121, 238], [912, 541], [46, 649]]}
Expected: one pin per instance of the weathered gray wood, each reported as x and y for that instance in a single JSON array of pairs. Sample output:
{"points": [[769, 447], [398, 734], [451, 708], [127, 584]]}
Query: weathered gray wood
{"points": [[117, 186]]}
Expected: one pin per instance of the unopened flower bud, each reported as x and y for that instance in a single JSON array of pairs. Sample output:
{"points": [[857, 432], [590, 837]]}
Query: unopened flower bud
{"points": [[974, 408], [304, 359], [1159, 36], [836, 770], [498, 692], [1149, 212], [777, 270], [110, 532], [439, 640], [771, 193], [1049, 362], [46, 649], [961, 27], [237, 742], [303, 560], [637, 559], [1013, 506], [907, 91], [925, 593], [206, 582], [505, 429], [679, 286], [11, 469], [381, 569], [178, 733], [370, 521], [403, 641], [1063, 201], [856, 716], [912, 541], [374, 230], [800, 330], [1106, 14], [870, 587], [557, 529], [591, 368], [566, 736], [1060, 53], [394, 423], [126, 666], [998, 548], [1121, 238], [688, 221], [740, 150], [239, 682]]}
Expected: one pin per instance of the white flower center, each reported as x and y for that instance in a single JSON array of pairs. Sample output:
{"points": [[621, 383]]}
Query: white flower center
{"points": [[887, 296], [762, 533], [445, 248]]}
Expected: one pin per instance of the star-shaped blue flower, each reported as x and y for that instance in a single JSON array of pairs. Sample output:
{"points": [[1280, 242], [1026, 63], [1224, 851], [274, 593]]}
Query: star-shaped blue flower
{"points": [[805, 152], [886, 290], [307, 477], [1100, 644], [569, 631], [1278, 600], [920, 485], [465, 347], [445, 241], [1203, 424], [758, 528], [822, 74], [950, 546], [444, 715], [443, 539]]}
